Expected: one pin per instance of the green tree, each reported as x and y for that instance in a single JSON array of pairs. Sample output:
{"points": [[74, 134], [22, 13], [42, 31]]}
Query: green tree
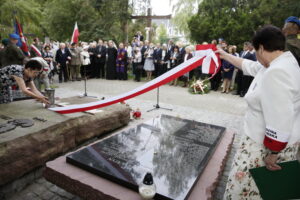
{"points": [[106, 19], [237, 20], [183, 11], [161, 33], [28, 13]]}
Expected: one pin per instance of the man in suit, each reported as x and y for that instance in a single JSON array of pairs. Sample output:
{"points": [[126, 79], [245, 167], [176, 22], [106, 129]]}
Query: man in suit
{"points": [[243, 81], [143, 50], [75, 63], [156, 60], [181, 52], [63, 57], [100, 60], [36, 44], [163, 59]]}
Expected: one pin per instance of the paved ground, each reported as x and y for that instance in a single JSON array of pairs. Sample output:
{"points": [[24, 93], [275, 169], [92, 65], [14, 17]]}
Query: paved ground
{"points": [[216, 108]]}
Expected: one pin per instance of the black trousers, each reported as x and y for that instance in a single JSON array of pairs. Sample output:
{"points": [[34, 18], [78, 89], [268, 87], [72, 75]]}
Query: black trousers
{"points": [[156, 69], [247, 80], [239, 82], [164, 68], [215, 81], [137, 67], [99, 70], [161, 69], [63, 72]]}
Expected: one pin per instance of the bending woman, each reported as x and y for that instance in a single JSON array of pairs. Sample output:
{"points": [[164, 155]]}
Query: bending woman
{"points": [[23, 77], [271, 124]]}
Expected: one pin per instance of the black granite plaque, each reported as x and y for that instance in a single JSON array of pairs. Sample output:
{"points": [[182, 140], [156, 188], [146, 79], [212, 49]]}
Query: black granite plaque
{"points": [[174, 150]]}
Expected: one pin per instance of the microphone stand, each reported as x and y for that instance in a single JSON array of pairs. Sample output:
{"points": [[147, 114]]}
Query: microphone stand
{"points": [[85, 78], [156, 107]]}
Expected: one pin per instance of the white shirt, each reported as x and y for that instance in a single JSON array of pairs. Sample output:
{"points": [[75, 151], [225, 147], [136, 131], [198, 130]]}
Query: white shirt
{"points": [[163, 54], [273, 100], [129, 51], [85, 58], [186, 57]]}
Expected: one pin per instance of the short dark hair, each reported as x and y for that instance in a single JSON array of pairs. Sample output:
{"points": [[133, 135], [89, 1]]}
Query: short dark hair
{"points": [[270, 37], [33, 65]]}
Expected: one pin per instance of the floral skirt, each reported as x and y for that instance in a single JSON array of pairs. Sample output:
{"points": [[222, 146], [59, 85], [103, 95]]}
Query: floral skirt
{"points": [[240, 184]]}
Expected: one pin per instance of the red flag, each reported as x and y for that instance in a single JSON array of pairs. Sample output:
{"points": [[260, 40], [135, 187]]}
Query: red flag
{"points": [[18, 30], [75, 34]]}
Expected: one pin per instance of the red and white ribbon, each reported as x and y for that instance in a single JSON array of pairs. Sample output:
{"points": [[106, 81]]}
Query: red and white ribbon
{"points": [[206, 53], [36, 50]]}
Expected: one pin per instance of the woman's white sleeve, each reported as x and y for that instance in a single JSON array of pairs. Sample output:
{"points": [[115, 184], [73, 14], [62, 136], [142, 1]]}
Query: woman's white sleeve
{"points": [[250, 68], [278, 108]]}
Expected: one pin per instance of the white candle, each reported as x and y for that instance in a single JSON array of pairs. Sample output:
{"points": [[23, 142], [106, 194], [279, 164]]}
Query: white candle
{"points": [[147, 191]]}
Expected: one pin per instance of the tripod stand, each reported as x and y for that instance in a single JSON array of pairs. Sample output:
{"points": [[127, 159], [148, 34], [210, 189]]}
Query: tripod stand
{"points": [[157, 103], [85, 78]]}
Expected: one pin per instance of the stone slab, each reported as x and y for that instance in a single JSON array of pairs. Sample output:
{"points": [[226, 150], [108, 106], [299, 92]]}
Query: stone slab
{"points": [[24, 149], [173, 149], [92, 187]]}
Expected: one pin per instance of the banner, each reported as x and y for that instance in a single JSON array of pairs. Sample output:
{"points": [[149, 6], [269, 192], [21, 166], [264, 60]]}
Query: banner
{"points": [[75, 34], [205, 57], [22, 42]]}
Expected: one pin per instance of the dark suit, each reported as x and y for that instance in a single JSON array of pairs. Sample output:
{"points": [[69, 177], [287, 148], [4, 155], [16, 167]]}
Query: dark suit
{"points": [[243, 81], [143, 50], [100, 62], [181, 53], [62, 59], [156, 58], [163, 62]]}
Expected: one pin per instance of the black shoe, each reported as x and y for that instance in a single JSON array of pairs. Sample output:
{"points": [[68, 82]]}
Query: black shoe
{"points": [[242, 94]]}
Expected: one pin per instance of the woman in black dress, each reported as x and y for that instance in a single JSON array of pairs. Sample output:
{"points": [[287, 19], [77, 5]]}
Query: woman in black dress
{"points": [[112, 52]]}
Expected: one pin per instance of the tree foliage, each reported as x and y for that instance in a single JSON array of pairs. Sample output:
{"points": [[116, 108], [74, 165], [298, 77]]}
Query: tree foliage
{"points": [[183, 11], [162, 35], [106, 19], [27, 12], [237, 20]]}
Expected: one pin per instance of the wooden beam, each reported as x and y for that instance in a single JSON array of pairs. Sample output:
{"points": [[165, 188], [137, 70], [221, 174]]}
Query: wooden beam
{"points": [[152, 17]]}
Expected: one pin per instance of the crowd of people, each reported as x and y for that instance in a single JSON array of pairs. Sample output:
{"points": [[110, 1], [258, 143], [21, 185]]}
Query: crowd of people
{"points": [[106, 60], [103, 59]]}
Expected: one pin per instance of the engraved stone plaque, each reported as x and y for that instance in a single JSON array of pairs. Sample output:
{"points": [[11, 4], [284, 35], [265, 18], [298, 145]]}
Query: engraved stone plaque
{"points": [[174, 150]]}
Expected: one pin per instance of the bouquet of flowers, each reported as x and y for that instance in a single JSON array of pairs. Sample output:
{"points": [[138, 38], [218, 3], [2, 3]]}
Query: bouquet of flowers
{"points": [[199, 87]]}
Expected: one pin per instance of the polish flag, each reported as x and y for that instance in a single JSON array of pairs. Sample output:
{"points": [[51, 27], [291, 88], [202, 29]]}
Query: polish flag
{"points": [[75, 34]]}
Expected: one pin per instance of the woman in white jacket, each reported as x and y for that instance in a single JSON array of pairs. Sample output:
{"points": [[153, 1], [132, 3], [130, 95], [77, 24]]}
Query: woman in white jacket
{"points": [[272, 120], [85, 60]]}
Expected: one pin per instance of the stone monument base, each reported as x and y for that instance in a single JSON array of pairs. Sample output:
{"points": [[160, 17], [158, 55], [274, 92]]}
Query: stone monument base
{"points": [[27, 148], [89, 186]]}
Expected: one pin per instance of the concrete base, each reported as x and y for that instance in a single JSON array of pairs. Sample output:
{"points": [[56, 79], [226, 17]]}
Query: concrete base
{"points": [[24, 149], [92, 187]]}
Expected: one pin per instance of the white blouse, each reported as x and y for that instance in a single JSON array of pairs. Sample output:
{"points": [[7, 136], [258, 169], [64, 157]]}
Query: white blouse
{"points": [[273, 101]]}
